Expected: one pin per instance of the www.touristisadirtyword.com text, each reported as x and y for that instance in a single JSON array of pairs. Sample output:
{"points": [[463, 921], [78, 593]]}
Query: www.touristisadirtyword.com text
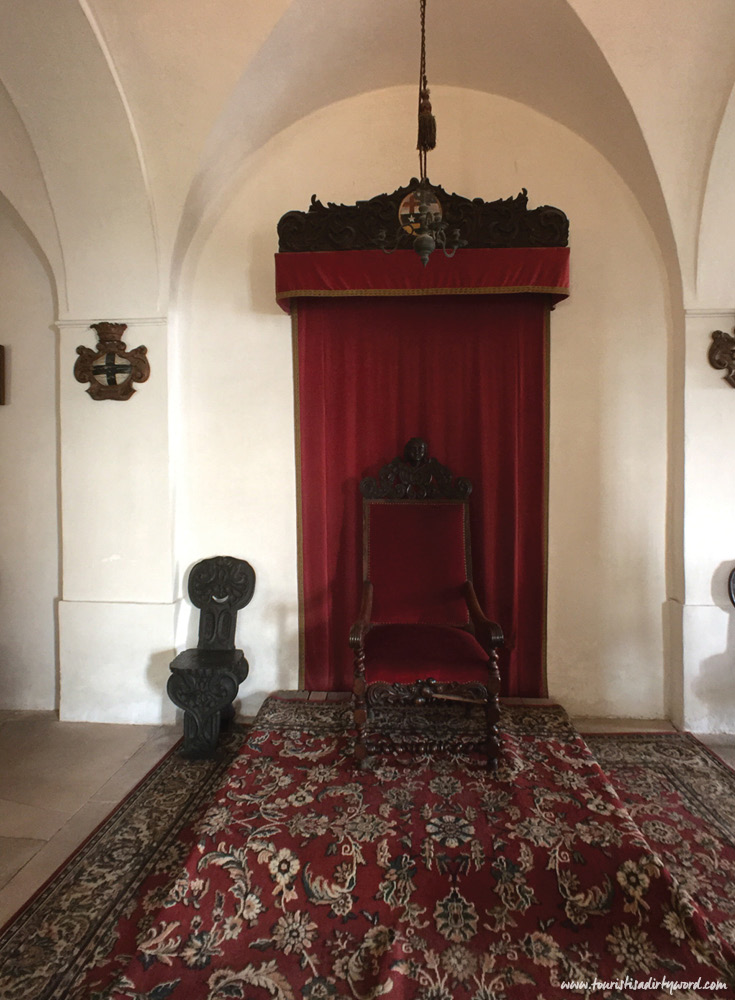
{"points": [[671, 985]]}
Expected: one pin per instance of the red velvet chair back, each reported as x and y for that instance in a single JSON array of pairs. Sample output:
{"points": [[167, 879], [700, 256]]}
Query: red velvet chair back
{"points": [[416, 555]]}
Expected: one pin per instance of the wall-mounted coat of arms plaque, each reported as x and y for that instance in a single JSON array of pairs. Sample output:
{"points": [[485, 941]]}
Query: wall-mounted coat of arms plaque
{"points": [[111, 369]]}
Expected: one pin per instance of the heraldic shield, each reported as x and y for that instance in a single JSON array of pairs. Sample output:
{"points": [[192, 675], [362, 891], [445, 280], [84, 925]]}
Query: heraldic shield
{"points": [[111, 369]]}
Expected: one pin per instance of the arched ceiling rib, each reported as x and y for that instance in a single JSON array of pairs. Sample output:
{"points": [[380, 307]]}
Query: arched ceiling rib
{"points": [[675, 62], [22, 185], [178, 61], [716, 248], [59, 80]]}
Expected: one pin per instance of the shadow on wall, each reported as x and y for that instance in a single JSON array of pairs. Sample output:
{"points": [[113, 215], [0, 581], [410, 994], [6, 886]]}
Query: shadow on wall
{"points": [[157, 674], [715, 684], [280, 671], [284, 618], [262, 275]]}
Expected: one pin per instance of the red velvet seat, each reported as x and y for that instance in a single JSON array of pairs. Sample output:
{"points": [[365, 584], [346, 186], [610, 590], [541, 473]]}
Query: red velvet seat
{"points": [[404, 654], [421, 634]]}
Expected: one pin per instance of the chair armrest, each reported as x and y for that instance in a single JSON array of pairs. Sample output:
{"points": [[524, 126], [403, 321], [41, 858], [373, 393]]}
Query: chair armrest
{"points": [[489, 634], [362, 626]]}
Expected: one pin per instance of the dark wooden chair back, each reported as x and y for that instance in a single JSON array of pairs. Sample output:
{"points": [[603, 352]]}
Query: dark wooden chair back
{"points": [[220, 587]]}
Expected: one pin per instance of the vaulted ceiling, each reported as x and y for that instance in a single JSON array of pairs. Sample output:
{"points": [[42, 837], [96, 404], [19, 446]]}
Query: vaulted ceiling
{"points": [[125, 124]]}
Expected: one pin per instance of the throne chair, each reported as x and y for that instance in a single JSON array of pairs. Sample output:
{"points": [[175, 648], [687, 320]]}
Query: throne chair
{"points": [[421, 636]]}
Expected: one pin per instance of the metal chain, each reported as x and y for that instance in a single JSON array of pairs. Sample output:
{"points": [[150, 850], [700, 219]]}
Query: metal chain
{"points": [[422, 71], [422, 81]]}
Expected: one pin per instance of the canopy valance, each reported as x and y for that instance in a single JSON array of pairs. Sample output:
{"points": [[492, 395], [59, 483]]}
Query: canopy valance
{"points": [[501, 271]]}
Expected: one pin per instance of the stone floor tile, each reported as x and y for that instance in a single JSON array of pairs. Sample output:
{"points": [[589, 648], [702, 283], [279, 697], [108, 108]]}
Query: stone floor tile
{"points": [[15, 852], [20, 820], [59, 766]]}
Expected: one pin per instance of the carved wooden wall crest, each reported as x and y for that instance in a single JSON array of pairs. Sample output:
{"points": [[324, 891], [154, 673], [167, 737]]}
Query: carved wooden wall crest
{"points": [[721, 355], [111, 369]]}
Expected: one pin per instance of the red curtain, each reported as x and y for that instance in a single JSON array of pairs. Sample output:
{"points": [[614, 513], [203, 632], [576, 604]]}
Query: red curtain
{"points": [[468, 373]]}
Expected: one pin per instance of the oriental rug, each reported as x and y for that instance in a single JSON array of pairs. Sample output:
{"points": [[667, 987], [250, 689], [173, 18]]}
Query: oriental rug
{"points": [[45, 949], [682, 798], [294, 875]]}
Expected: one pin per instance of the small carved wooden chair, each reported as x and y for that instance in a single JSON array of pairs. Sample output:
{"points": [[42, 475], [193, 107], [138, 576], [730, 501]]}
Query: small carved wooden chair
{"points": [[204, 681], [421, 635]]}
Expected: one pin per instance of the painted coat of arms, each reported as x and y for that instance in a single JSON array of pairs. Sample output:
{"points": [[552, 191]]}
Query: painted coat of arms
{"points": [[111, 369]]}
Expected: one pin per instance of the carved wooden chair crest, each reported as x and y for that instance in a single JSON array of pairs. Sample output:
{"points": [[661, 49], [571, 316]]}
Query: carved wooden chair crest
{"points": [[204, 681], [421, 635]]}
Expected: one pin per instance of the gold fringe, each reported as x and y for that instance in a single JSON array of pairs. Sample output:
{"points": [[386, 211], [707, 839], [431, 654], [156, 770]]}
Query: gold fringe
{"points": [[351, 292]]}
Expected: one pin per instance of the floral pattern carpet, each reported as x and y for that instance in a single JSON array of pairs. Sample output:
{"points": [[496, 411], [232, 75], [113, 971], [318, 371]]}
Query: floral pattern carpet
{"points": [[672, 775], [422, 879]]}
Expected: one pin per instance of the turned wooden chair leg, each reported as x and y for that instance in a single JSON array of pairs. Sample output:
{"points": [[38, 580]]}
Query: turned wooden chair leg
{"points": [[492, 715], [360, 716], [359, 707]]}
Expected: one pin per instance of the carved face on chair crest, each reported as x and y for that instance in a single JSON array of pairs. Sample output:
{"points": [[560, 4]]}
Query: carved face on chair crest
{"points": [[415, 451]]}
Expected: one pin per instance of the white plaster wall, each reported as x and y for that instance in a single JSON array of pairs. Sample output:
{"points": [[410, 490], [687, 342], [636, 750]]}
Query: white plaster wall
{"points": [[708, 654], [175, 85], [28, 470], [117, 616], [716, 262], [608, 383], [115, 662], [677, 89], [608, 458], [117, 522], [236, 481], [23, 184], [708, 618], [64, 88], [709, 536]]}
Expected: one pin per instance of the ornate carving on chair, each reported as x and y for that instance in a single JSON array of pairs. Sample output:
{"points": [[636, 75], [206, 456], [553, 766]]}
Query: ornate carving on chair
{"points": [[204, 681], [421, 635]]}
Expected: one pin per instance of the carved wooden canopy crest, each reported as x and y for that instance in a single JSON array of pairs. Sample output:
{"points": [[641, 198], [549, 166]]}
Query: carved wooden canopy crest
{"points": [[415, 476], [373, 224]]}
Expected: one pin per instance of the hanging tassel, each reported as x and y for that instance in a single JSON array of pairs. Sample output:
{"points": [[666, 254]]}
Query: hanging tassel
{"points": [[427, 123]]}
